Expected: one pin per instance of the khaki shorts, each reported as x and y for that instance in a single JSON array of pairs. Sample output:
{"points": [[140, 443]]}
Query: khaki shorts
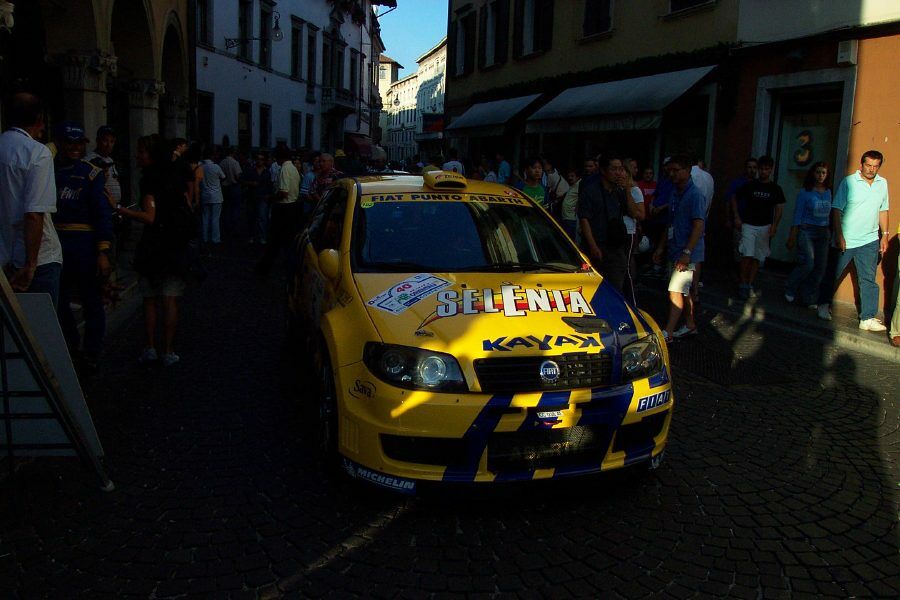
{"points": [[681, 281], [755, 241], [170, 285]]}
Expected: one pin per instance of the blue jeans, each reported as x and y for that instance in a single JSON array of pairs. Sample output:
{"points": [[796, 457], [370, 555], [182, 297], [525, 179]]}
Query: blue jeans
{"points": [[812, 257], [46, 281], [866, 260], [212, 213]]}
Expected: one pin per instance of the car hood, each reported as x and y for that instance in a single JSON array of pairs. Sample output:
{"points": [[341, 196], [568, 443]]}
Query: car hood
{"points": [[471, 315]]}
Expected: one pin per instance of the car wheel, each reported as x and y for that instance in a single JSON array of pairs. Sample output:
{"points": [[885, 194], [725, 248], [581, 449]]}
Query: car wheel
{"points": [[325, 434]]}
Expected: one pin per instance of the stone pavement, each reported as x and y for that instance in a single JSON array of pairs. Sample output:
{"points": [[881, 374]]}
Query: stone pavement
{"points": [[780, 480]]}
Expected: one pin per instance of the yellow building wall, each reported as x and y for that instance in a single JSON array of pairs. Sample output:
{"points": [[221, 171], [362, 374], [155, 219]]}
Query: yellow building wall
{"points": [[640, 28], [876, 126]]}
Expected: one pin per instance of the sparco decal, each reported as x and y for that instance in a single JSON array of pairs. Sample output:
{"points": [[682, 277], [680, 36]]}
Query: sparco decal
{"points": [[654, 401], [511, 301], [397, 484], [544, 342]]}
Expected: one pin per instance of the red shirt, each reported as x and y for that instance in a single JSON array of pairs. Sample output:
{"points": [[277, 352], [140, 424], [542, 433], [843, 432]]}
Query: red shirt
{"points": [[648, 188]]}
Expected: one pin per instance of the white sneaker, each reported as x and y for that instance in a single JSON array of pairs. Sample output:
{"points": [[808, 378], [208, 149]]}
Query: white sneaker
{"points": [[148, 356], [170, 359], [789, 297], [872, 324], [823, 312], [812, 306]]}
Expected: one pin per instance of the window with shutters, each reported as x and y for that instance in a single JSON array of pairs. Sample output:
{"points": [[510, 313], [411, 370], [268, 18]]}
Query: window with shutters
{"points": [[462, 53], [296, 48], [597, 17], [493, 33], [533, 27]]}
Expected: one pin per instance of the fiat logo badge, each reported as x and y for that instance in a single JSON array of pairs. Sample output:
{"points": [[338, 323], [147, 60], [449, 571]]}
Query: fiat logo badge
{"points": [[550, 371]]}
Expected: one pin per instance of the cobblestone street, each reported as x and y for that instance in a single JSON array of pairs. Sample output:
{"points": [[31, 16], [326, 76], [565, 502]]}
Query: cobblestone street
{"points": [[780, 480]]}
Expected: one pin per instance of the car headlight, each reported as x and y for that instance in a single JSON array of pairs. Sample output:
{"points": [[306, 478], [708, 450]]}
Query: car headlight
{"points": [[413, 368], [641, 359]]}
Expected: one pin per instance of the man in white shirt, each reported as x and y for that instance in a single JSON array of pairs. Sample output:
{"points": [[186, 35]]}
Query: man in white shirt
{"points": [[704, 182], [285, 219], [453, 164], [30, 252]]}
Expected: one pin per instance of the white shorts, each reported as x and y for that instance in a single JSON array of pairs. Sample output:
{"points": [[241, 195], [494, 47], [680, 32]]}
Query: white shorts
{"points": [[681, 281], [755, 241]]}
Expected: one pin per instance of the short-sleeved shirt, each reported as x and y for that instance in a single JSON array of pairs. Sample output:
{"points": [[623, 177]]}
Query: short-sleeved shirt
{"points": [[27, 185], [570, 203], [504, 172], [736, 184], [687, 206], [232, 170], [860, 204], [638, 196], [289, 181], [211, 185], [536, 192], [602, 208], [812, 208], [759, 200]]}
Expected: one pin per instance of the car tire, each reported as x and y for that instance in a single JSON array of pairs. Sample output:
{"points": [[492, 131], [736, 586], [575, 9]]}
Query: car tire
{"points": [[325, 411]]}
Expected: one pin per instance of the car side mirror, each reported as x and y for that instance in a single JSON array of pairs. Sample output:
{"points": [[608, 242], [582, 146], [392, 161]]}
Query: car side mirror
{"points": [[330, 264]]}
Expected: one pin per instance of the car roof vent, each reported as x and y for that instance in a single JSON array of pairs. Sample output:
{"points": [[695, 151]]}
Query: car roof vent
{"points": [[444, 180]]}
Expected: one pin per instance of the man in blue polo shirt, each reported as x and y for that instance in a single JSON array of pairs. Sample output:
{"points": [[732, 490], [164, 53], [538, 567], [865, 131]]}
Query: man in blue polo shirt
{"points": [[859, 216], [685, 245]]}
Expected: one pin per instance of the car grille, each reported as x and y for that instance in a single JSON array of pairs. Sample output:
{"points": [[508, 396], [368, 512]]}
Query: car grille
{"points": [[549, 448], [522, 374]]}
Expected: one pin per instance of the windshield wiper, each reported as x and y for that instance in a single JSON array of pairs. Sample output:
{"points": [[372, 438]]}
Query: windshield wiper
{"points": [[518, 266]]}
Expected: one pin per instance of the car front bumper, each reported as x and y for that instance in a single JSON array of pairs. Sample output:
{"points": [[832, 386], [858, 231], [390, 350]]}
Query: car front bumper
{"points": [[392, 436]]}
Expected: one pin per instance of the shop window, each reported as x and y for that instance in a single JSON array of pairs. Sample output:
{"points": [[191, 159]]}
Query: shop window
{"points": [[597, 17]]}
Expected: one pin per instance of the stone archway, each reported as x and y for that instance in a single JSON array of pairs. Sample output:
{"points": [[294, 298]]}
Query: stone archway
{"points": [[133, 98], [173, 106]]}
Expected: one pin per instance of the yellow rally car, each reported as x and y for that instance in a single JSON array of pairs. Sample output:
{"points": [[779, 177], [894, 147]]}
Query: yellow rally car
{"points": [[459, 335]]}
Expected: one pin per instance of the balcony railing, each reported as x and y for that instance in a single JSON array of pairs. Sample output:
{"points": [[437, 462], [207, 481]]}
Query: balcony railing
{"points": [[337, 100]]}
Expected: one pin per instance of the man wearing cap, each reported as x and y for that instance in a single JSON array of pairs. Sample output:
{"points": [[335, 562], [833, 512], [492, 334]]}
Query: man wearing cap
{"points": [[30, 253], [84, 224]]}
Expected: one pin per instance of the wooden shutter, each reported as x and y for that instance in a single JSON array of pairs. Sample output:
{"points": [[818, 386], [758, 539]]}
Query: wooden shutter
{"points": [[482, 35], [543, 25], [518, 25], [469, 26], [501, 34]]}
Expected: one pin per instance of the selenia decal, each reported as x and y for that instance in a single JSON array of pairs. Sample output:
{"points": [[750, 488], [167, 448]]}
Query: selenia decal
{"points": [[511, 301], [408, 292]]}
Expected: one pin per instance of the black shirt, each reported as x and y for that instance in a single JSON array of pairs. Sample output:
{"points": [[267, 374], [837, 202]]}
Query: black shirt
{"points": [[604, 210], [757, 201]]}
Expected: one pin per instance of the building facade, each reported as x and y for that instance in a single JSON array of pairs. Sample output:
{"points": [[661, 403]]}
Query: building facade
{"points": [[414, 108], [430, 100], [299, 72], [719, 80], [117, 62]]}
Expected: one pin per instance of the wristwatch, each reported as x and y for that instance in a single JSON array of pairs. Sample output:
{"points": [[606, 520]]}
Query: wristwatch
{"points": [[686, 251]]}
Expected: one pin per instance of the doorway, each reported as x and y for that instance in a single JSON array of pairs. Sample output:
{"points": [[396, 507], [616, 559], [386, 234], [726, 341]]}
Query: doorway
{"points": [[805, 130]]}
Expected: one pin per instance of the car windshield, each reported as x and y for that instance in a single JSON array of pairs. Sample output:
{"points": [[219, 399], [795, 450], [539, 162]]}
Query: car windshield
{"points": [[459, 236]]}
